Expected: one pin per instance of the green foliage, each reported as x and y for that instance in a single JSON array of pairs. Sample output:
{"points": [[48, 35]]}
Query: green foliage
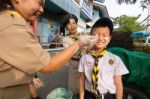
{"points": [[132, 1], [127, 24], [144, 3], [127, 1]]}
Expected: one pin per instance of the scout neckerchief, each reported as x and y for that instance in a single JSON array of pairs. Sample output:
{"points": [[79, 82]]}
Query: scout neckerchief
{"points": [[12, 12], [75, 37], [94, 82]]}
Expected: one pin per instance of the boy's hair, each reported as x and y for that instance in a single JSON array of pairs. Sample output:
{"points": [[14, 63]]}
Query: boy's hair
{"points": [[103, 22], [67, 18]]}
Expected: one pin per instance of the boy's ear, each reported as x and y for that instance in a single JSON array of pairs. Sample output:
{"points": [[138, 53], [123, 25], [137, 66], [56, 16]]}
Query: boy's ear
{"points": [[16, 1], [110, 38]]}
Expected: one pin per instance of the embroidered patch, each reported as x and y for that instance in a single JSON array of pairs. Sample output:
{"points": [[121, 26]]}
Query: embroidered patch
{"points": [[111, 62], [88, 63]]}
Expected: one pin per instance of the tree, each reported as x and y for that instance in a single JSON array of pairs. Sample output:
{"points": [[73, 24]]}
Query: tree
{"points": [[132, 1], [144, 3], [127, 24], [127, 1]]}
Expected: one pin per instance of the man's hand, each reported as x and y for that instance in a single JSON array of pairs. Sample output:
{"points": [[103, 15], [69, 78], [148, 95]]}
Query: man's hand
{"points": [[87, 40], [67, 41]]}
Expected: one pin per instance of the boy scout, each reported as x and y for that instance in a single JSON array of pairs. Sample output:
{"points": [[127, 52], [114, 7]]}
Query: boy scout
{"points": [[21, 55], [101, 70]]}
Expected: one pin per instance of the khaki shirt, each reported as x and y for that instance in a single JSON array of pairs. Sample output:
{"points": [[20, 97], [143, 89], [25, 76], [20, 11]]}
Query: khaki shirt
{"points": [[67, 41], [21, 55]]}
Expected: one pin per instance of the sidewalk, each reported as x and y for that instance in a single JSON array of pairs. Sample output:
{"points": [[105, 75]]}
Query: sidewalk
{"points": [[53, 80]]}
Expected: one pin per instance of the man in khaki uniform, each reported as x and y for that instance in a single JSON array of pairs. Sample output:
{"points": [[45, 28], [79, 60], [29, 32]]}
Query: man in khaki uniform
{"points": [[21, 55], [24, 56]]}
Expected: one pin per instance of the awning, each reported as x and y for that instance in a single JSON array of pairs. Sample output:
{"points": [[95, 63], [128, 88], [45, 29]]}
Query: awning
{"points": [[101, 8], [140, 34]]}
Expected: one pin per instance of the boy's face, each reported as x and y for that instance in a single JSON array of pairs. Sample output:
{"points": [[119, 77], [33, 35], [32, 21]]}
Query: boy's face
{"points": [[104, 37]]}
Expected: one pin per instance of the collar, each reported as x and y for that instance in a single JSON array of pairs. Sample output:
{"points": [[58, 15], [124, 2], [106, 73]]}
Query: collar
{"points": [[12, 12], [18, 19], [73, 35], [94, 53]]}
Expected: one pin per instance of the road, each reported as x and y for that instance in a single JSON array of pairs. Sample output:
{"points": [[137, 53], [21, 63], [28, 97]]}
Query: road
{"points": [[53, 81]]}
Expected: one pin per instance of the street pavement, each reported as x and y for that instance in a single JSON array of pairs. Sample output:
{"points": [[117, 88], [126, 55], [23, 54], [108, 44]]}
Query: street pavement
{"points": [[53, 80]]}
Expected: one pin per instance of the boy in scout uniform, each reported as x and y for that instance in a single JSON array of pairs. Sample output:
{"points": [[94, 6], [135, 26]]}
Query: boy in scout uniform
{"points": [[21, 55], [100, 70]]}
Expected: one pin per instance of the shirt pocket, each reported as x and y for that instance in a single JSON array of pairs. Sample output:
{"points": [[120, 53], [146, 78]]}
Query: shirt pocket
{"points": [[108, 68], [88, 67]]}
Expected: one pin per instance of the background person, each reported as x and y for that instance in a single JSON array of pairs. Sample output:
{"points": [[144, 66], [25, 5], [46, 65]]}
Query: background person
{"points": [[21, 55], [100, 70], [70, 23]]}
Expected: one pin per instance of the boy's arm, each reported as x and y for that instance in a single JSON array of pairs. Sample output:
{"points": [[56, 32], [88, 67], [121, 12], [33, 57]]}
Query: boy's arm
{"points": [[82, 81], [119, 86]]}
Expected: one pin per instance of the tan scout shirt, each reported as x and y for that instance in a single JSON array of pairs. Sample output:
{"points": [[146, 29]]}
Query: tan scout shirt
{"points": [[68, 40], [20, 53]]}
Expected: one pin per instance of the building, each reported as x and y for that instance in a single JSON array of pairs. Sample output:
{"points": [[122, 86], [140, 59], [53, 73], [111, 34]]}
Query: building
{"points": [[141, 38], [87, 11]]}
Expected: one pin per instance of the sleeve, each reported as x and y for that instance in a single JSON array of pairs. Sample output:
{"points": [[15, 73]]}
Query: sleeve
{"points": [[22, 50], [120, 68], [81, 64], [67, 41]]}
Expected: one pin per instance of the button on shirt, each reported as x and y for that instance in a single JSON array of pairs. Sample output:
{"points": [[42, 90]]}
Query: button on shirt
{"points": [[107, 71]]}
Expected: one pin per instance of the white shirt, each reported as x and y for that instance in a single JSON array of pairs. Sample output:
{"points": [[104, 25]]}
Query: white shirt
{"points": [[106, 71]]}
